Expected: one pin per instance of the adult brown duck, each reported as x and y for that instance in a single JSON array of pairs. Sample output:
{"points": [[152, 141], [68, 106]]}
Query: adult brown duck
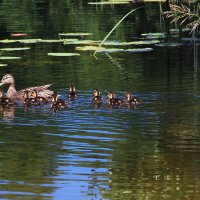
{"points": [[42, 90]]}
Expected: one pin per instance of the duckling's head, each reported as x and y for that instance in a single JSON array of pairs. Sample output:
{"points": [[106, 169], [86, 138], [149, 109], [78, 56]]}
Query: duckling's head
{"points": [[128, 96], [7, 79], [72, 88], [54, 97], [34, 94], [26, 94], [96, 93], [111, 95]]}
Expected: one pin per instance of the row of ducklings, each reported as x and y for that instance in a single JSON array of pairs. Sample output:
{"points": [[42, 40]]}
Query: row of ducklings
{"points": [[33, 99], [128, 100]]}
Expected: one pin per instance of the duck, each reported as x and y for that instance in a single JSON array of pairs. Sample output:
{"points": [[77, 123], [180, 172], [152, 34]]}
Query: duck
{"points": [[72, 92], [37, 99], [42, 90], [57, 103], [5, 101], [112, 100], [96, 97], [132, 100]]}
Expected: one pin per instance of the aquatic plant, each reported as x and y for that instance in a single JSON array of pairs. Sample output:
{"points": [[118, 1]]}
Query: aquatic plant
{"points": [[184, 16], [118, 25]]}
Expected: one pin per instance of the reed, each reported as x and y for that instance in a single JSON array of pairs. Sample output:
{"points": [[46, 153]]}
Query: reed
{"points": [[184, 16], [118, 25]]}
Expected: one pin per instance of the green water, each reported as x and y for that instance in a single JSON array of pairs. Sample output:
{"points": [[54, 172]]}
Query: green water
{"points": [[87, 152]]}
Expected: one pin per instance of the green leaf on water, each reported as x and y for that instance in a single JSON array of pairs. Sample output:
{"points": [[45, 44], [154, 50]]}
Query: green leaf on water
{"points": [[29, 41], [3, 65], [82, 42], [9, 58], [108, 3], [75, 34], [15, 49], [63, 54], [138, 50], [8, 41], [169, 44], [89, 48], [112, 50]]}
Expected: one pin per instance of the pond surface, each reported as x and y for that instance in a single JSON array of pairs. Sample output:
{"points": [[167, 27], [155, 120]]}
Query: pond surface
{"points": [[86, 152]]}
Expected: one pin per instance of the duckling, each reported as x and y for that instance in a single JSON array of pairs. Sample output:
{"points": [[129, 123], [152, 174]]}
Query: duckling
{"points": [[5, 101], [72, 92], [96, 97], [57, 103], [132, 100], [34, 100], [112, 100], [38, 99]]}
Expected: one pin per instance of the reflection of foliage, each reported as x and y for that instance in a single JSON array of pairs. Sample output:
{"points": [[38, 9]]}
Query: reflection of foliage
{"points": [[184, 16]]}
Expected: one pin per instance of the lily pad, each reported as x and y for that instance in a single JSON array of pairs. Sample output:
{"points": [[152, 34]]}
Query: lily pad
{"points": [[29, 41], [112, 50], [107, 3], [191, 39], [170, 44], [75, 34], [3, 65], [153, 35], [63, 54], [138, 50], [145, 42], [53, 41], [82, 42], [89, 48], [15, 49], [8, 41], [9, 58]]}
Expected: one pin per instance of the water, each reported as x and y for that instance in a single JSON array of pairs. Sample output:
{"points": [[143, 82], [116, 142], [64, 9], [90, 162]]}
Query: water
{"points": [[86, 152]]}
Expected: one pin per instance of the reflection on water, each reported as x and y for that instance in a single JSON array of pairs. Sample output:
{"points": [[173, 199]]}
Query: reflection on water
{"points": [[88, 151]]}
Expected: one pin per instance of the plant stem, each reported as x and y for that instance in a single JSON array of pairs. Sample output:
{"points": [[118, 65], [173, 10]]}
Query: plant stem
{"points": [[117, 25]]}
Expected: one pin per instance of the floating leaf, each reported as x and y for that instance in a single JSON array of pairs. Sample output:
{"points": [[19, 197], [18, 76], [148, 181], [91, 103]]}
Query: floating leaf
{"points": [[29, 41], [63, 54], [8, 57], [15, 49], [8, 41], [108, 3], [138, 50], [153, 35], [145, 42], [75, 34], [3, 65], [170, 44], [112, 50], [89, 48], [52, 41], [191, 39], [82, 42]]}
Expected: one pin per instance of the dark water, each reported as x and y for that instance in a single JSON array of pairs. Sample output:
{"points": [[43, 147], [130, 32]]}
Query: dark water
{"points": [[85, 152]]}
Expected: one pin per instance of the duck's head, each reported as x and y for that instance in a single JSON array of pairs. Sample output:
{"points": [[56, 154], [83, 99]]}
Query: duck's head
{"points": [[111, 95], [128, 96], [7, 79], [96, 93]]}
